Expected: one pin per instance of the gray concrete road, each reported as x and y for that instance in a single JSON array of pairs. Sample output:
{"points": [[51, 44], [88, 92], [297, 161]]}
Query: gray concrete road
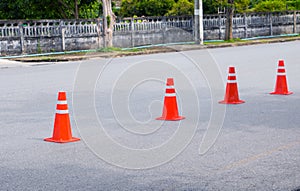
{"points": [[258, 147]]}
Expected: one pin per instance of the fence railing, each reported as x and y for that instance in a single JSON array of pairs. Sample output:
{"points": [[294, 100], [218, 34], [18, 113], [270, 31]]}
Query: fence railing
{"points": [[34, 36], [50, 28], [153, 23], [93, 27]]}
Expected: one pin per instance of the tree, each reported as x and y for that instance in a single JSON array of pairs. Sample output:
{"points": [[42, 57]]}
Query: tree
{"points": [[24, 9], [293, 4], [270, 5], [241, 6], [212, 6], [229, 20], [130, 8], [90, 9], [182, 7], [157, 8], [108, 23], [48, 9]]}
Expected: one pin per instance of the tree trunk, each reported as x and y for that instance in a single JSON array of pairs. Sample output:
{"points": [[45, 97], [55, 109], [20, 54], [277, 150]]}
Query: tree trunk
{"points": [[229, 20], [108, 23], [76, 10]]}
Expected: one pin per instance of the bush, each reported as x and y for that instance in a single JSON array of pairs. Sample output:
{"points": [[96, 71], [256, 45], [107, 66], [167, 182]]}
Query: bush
{"points": [[145, 7], [293, 5], [182, 7], [270, 5]]}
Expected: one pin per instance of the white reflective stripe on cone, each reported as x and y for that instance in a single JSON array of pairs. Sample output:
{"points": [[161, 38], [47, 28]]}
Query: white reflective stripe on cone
{"points": [[170, 87], [62, 111], [231, 74], [231, 81], [170, 94], [281, 74], [281, 67], [62, 102]]}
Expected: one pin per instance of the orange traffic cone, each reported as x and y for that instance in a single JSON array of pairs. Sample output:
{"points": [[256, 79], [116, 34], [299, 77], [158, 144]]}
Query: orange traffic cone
{"points": [[62, 128], [170, 110], [281, 87], [231, 95]]}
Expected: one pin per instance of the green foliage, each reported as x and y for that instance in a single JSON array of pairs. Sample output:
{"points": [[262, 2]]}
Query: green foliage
{"points": [[22, 9], [270, 5], [108, 20], [293, 5], [128, 8], [145, 7], [212, 6], [182, 7], [65, 9], [241, 6], [48, 9], [156, 8], [92, 9]]}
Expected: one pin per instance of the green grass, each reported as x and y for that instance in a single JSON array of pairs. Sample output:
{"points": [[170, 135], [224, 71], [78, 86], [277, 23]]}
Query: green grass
{"points": [[119, 50], [134, 50], [109, 49], [235, 40], [214, 42]]}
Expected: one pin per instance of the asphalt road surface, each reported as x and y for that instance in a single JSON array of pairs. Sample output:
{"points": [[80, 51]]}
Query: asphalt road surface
{"points": [[256, 147]]}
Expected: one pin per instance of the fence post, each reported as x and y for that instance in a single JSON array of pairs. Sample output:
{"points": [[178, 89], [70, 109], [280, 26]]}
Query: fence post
{"points": [[164, 28], [22, 45], [246, 26], [220, 27], [98, 22], [295, 22], [271, 24], [62, 33], [132, 31]]}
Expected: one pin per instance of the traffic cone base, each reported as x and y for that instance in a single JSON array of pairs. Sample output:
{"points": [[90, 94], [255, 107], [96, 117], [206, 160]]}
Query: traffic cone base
{"points": [[51, 139], [232, 102], [171, 119], [285, 93]]}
